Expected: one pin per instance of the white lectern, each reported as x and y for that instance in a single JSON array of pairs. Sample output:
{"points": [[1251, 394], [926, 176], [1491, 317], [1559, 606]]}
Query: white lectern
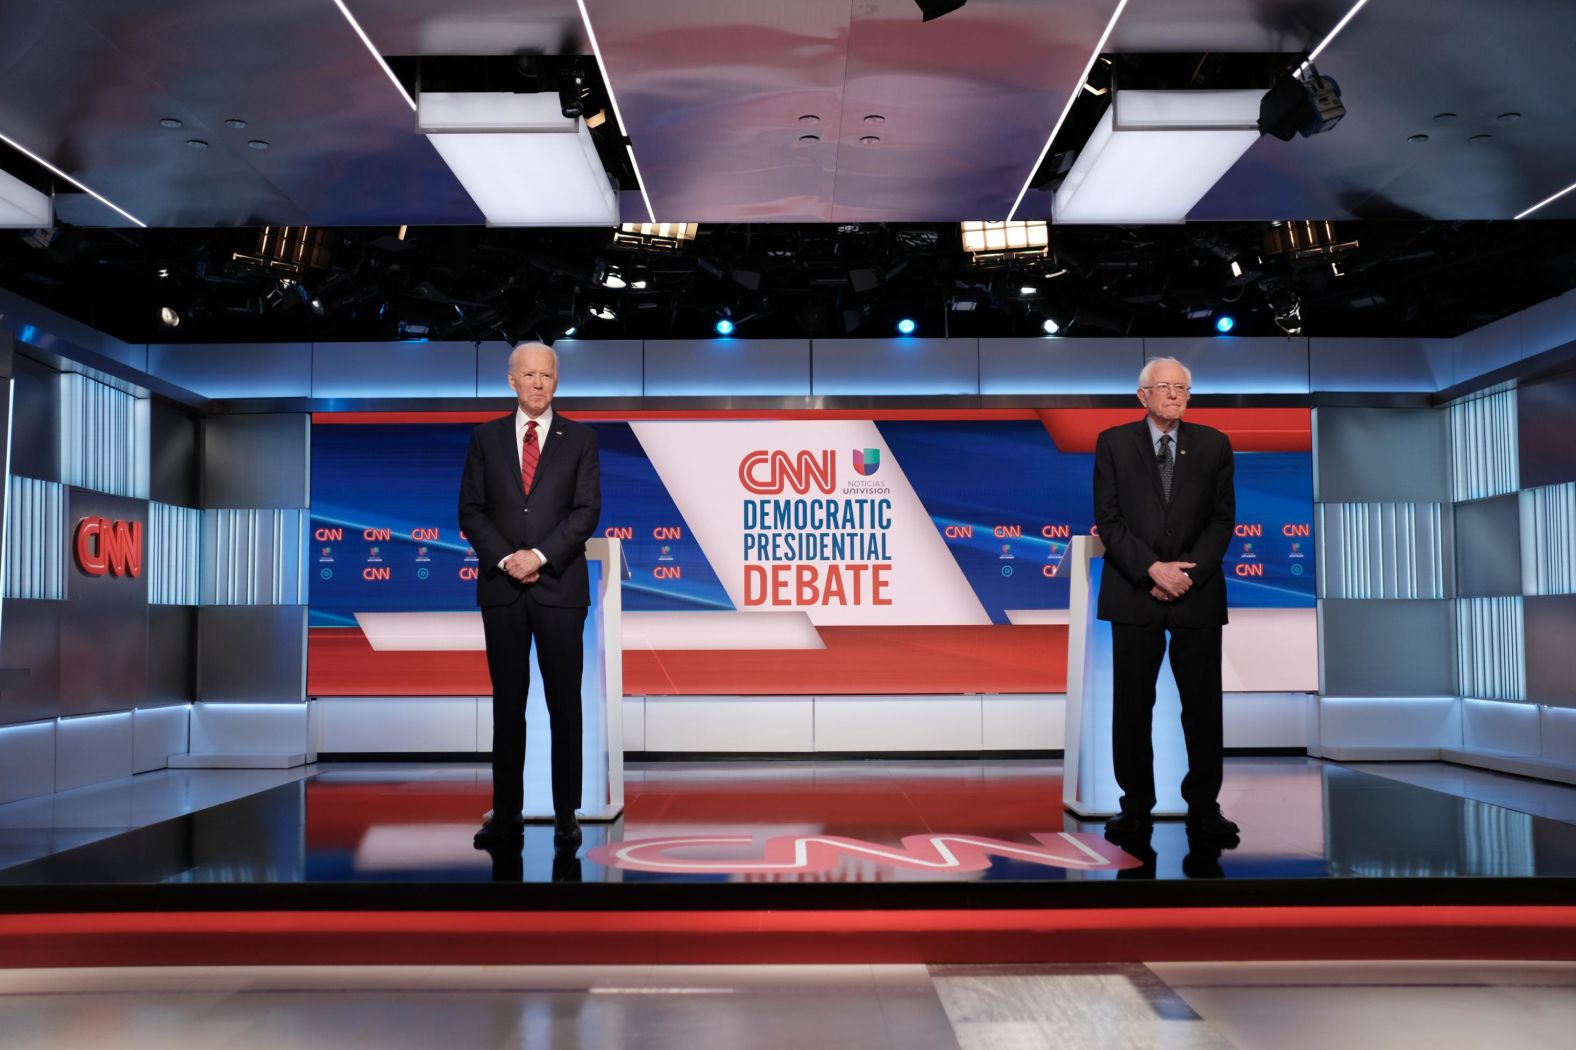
{"points": [[601, 700], [1088, 782]]}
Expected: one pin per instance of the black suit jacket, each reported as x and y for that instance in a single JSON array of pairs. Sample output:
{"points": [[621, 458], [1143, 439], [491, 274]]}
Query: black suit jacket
{"points": [[1140, 528], [557, 518]]}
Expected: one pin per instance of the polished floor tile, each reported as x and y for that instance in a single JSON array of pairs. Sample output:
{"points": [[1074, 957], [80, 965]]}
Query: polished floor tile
{"points": [[1384, 1006]]}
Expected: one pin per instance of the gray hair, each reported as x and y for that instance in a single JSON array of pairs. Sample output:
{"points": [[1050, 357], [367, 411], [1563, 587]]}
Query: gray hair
{"points": [[532, 346], [1149, 369]]}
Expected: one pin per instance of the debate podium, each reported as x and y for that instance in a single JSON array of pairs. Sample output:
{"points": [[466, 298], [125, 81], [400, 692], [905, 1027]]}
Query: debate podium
{"points": [[1088, 782], [601, 701]]}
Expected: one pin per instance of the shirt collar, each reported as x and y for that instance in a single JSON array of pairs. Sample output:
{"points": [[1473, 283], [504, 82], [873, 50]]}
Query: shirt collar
{"points": [[544, 422], [1155, 432]]}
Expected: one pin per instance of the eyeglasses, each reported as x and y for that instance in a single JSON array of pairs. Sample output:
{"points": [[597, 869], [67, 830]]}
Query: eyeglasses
{"points": [[1180, 389]]}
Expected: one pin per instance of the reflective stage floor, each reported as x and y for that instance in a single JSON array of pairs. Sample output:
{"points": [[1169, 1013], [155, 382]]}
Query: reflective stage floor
{"points": [[786, 834]]}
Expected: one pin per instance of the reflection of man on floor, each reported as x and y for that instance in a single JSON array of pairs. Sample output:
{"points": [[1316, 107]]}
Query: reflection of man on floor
{"points": [[529, 499], [1165, 506]]}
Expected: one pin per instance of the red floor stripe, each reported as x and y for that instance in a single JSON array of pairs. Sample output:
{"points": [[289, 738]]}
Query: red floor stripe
{"points": [[954, 936]]}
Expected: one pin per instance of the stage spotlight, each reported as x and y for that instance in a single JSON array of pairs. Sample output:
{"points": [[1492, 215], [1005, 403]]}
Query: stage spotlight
{"points": [[723, 326], [906, 326], [604, 312], [1049, 326], [933, 9], [168, 317], [571, 330], [1302, 103], [1225, 323]]}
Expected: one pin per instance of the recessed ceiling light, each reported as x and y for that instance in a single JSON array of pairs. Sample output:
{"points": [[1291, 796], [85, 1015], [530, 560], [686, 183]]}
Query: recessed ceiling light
{"points": [[1508, 118], [258, 144], [1444, 118], [235, 122], [197, 143], [171, 122], [1417, 138], [870, 140], [875, 118], [808, 140], [809, 118], [1480, 138]]}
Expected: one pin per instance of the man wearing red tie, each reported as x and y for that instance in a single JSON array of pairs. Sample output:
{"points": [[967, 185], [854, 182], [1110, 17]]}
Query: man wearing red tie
{"points": [[529, 499]]}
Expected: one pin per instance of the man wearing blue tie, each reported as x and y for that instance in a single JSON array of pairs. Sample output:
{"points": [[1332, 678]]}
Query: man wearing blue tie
{"points": [[530, 497]]}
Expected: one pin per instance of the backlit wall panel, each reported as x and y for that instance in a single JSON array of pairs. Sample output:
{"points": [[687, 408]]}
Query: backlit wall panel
{"points": [[1489, 644], [1548, 540], [35, 539], [1383, 550], [253, 557], [1483, 457], [103, 437], [174, 554]]}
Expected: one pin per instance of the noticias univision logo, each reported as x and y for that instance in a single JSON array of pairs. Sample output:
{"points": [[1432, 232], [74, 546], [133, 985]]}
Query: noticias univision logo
{"points": [[866, 461]]}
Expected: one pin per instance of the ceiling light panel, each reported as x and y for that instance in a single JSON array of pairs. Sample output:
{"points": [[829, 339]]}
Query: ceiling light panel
{"points": [[22, 207], [1155, 154], [522, 161]]}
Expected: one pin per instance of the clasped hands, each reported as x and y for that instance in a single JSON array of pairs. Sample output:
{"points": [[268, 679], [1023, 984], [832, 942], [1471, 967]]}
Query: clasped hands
{"points": [[1171, 581], [524, 566]]}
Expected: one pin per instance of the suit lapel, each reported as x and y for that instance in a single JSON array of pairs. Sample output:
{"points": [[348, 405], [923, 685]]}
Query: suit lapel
{"points": [[550, 442], [1182, 476]]}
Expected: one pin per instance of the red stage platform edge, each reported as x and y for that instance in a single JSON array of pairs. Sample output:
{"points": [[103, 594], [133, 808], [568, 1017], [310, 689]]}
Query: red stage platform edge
{"points": [[764, 936]]}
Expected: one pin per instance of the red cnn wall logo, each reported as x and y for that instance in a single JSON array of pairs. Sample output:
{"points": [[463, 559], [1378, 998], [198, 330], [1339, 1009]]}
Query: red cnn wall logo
{"points": [[104, 546], [768, 473]]}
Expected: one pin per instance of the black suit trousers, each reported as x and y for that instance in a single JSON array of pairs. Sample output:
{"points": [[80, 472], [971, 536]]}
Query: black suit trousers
{"points": [[556, 631], [1136, 652]]}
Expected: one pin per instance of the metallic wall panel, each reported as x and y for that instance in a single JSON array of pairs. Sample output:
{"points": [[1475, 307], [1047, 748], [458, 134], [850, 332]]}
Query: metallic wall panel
{"points": [[1489, 639], [1548, 540], [1495, 345], [1365, 455], [1398, 64], [854, 367], [1543, 418], [172, 454], [35, 539], [476, 27], [103, 656], [36, 421], [253, 653], [444, 369], [1383, 550], [586, 368], [966, 103], [255, 461], [174, 554], [172, 654], [31, 640], [1245, 365], [87, 83], [254, 557], [1483, 454], [235, 370], [110, 588], [723, 367], [1488, 547], [1387, 648], [1389, 365], [1054, 365], [1551, 658], [104, 436]]}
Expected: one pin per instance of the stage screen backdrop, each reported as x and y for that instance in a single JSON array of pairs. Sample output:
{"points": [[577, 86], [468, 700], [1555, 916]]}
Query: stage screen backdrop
{"points": [[890, 552]]}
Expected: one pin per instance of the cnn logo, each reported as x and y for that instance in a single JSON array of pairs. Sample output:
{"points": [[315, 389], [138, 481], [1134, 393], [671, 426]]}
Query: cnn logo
{"points": [[769, 473], [112, 547]]}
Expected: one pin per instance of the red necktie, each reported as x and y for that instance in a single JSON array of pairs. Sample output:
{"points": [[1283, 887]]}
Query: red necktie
{"points": [[529, 454]]}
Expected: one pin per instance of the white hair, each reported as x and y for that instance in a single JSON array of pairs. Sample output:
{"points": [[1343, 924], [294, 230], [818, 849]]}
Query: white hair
{"points": [[513, 354], [1149, 369]]}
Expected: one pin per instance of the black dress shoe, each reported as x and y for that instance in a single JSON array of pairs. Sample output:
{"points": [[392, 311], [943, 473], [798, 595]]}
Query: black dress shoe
{"points": [[566, 831], [498, 830], [1211, 822], [1129, 822]]}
